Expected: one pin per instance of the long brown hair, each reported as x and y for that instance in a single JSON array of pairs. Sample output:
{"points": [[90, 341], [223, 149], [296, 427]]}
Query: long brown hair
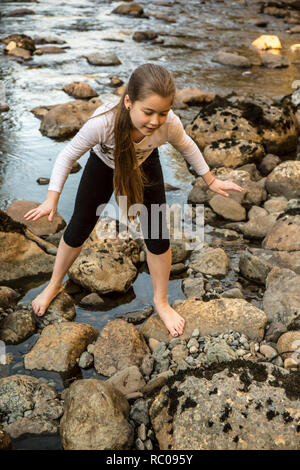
{"points": [[129, 179]]}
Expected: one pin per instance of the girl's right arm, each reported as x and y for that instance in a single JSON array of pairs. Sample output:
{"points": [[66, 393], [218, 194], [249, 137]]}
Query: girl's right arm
{"points": [[49, 207]]}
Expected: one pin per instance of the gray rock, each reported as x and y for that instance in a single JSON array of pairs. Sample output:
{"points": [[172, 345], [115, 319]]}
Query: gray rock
{"points": [[139, 412], [99, 58]]}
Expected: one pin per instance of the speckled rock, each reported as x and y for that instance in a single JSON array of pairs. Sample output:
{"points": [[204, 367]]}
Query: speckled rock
{"points": [[60, 346], [99, 422], [20, 394], [281, 301], [8, 297], [118, 346], [284, 235], [254, 267], [240, 406], [215, 316], [213, 261], [232, 153], [282, 259], [284, 180], [193, 287], [17, 326]]}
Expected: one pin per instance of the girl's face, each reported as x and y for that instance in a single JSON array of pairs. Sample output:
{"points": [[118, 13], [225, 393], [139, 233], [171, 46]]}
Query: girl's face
{"points": [[149, 114]]}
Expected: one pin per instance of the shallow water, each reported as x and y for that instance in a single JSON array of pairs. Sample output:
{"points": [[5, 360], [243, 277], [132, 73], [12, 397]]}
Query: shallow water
{"points": [[25, 155]]}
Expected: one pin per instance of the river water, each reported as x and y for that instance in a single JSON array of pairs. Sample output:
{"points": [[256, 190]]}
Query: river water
{"points": [[201, 29]]}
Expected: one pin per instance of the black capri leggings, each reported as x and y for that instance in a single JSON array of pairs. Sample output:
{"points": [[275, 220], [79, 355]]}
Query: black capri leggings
{"points": [[96, 187]]}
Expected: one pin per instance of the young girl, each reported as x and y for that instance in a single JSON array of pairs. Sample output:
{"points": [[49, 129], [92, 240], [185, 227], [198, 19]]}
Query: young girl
{"points": [[123, 139]]}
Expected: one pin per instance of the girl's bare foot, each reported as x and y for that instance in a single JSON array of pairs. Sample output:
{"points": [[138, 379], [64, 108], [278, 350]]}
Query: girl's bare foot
{"points": [[43, 300], [172, 320]]}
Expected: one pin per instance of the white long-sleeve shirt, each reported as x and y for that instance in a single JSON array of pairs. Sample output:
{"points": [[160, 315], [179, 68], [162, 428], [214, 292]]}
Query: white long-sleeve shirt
{"points": [[98, 134]]}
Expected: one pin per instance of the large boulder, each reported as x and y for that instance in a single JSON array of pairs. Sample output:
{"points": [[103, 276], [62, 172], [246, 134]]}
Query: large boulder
{"points": [[99, 422], [233, 406], [232, 153], [215, 316], [284, 234]]}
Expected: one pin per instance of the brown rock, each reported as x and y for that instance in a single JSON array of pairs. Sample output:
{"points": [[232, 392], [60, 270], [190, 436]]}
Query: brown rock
{"points": [[227, 208], [18, 209], [17, 327], [215, 316], [284, 235], [59, 346], [99, 422], [284, 180], [134, 9], [119, 345], [80, 90], [290, 341]]}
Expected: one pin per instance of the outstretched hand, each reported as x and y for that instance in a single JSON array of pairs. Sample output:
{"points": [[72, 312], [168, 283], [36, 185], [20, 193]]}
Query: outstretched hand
{"points": [[41, 211], [219, 187]]}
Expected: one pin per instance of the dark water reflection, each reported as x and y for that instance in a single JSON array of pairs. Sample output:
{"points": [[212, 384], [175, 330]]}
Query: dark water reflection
{"points": [[25, 155]]}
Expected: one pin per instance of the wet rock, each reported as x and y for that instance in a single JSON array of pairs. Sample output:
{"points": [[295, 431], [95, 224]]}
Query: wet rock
{"points": [[267, 41], [60, 346], [193, 287], [232, 59], [17, 326], [99, 58], [281, 301], [161, 16], [268, 163], [4, 108], [254, 267], [115, 81], [221, 407], [140, 36], [232, 153], [64, 120], [49, 50], [92, 300], [119, 345], [43, 181], [284, 235], [8, 297], [20, 257], [228, 208], [128, 380], [20, 394], [177, 268], [48, 40], [41, 227], [212, 261], [19, 45], [80, 90], [273, 61], [20, 12], [60, 309], [289, 341], [136, 317], [134, 9], [215, 316], [99, 422], [284, 180]]}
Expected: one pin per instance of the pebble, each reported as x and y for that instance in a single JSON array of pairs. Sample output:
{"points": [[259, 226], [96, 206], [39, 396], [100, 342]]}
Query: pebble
{"points": [[148, 445], [195, 333], [289, 363], [142, 432], [139, 444], [267, 351]]}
